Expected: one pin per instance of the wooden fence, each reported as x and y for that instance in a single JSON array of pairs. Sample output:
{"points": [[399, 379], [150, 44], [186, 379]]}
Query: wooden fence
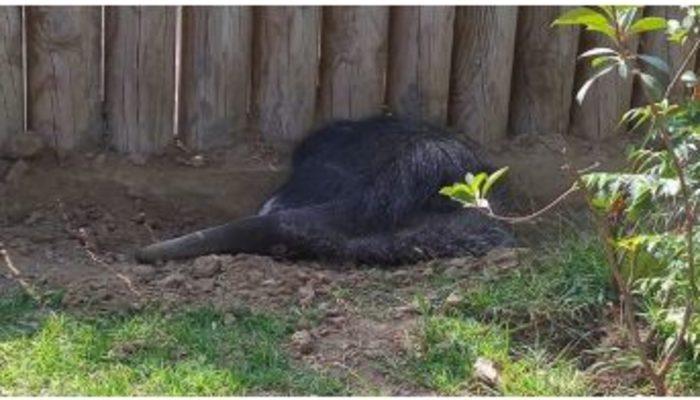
{"points": [[133, 78]]}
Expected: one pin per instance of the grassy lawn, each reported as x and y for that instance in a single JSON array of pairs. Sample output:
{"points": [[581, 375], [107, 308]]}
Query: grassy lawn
{"points": [[199, 352], [539, 325]]}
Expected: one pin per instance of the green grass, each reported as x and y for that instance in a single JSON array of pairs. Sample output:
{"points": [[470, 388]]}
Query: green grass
{"points": [[191, 353], [517, 321]]}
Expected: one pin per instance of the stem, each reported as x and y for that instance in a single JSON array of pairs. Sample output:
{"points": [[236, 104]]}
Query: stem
{"points": [[534, 215], [605, 233], [684, 64]]}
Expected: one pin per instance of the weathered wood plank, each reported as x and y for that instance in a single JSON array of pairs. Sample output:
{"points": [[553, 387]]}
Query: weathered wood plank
{"points": [[656, 43], [216, 74], [353, 61], [543, 73], [11, 85], [481, 70], [605, 102], [420, 61], [63, 57], [140, 77], [286, 69]]}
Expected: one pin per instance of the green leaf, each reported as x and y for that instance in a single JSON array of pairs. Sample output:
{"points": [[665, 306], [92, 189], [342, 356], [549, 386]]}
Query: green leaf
{"points": [[652, 84], [596, 52], [648, 24], [600, 61], [493, 178], [626, 16], [655, 62], [476, 183], [591, 19], [584, 88]]}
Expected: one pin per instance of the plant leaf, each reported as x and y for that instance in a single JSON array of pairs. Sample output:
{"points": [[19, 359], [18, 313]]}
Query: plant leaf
{"points": [[655, 62], [648, 24], [584, 88], [591, 19], [652, 84], [596, 52], [493, 178]]}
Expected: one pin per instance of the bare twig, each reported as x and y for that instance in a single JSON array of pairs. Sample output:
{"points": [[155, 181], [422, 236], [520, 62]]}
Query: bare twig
{"points": [[82, 235], [688, 58]]}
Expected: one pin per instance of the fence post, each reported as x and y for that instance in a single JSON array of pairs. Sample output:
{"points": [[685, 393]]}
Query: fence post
{"points": [[64, 75], [420, 60], [543, 73], [353, 61], [11, 81], [286, 68], [140, 77], [481, 70], [216, 74]]}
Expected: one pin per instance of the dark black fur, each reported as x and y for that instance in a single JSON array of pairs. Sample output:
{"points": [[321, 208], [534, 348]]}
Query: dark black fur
{"points": [[365, 191]]}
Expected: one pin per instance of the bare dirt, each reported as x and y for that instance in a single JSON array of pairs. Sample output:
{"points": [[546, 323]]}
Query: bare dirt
{"points": [[72, 224]]}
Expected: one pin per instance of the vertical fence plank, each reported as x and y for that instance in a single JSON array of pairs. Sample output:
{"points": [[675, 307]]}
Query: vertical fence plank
{"points": [[11, 84], [286, 71], [656, 43], [420, 61], [140, 77], [543, 73], [216, 74], [608, 98], [353, 61], [64, 74], [481, 70]]}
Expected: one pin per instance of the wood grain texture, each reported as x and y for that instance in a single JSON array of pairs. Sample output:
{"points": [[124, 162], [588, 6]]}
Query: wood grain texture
{"points": [[140, 77], [420, 61], [353, 61], [63, 56], [656, 44], [11, 86], [286, 69], [216, 74], [481, 70], [608, 98], [543, 73]]}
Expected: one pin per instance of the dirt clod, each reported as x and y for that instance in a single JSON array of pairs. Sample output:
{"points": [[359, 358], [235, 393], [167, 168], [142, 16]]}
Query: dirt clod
{"points": [[302, 342], [144, 272], [206, 267], [205, 285], [173, 281]]}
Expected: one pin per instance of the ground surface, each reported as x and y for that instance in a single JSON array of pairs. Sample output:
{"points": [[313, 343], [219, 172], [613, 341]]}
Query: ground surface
{"points": [[69, 229]]}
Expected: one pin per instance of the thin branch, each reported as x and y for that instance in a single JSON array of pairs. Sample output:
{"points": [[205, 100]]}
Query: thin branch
{"points": [[681, 68]]}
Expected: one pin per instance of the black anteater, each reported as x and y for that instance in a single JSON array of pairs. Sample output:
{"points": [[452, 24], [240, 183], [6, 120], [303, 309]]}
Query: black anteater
{"points": [[361, 191]]}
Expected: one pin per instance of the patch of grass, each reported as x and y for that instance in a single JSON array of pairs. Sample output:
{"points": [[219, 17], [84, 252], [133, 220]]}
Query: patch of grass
{"points": [[498, 319], [556, 291], [199, 352], [449, 347]]}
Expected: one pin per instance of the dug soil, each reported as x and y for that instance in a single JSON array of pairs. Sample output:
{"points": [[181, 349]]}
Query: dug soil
{"points": [[70, 225]]}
